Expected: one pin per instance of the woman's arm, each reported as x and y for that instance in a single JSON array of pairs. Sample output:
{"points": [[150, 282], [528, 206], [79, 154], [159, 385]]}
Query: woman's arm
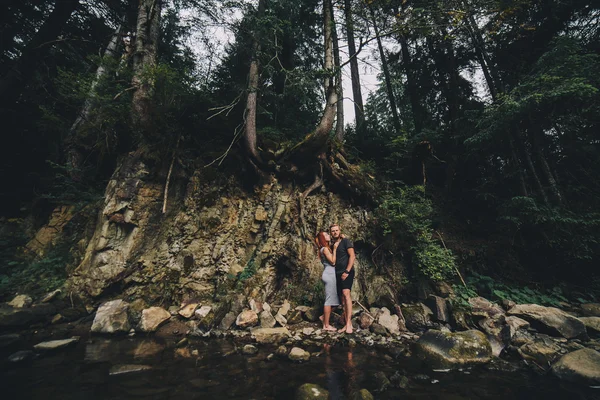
{"points": [[329, 255]]}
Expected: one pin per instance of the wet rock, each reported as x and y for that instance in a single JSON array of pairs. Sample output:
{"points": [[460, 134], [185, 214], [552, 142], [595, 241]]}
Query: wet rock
{"points": [[267, 320], [202, 312], [50, 296], [249, 350], [482, 307], [187, 310], [112, 317], [398, 380], [295, 317], [153, 318], [280, 319], [380, 382], [281, 351], [227, 321], [439, 307], [128, 369], [581, 366], [550, 320], [451, 350], [591, 309], [19, 317], [147, 349], [55, 344], [247, 318], [388, 321], [271, 335], [298, 354], [592, 324], [417, 316], [362, 394], [21, 301], [365, 320], [378, 329], [21, 356], [309, 391], [57, 319], [9, 340], [543, 354]]}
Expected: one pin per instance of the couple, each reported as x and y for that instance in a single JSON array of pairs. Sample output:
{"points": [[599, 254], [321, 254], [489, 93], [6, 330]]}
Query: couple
{"points": [[337, 255]]}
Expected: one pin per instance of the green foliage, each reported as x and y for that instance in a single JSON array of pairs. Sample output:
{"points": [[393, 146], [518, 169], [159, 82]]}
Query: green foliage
{"points": [[248, 271]]}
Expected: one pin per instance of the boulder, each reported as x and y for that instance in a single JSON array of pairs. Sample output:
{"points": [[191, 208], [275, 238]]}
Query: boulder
{"points": [[271, 335], [439, 307], [187, 310], [443, 289], [295, 317], [550, 320], [515, 324], [591, 309], [255, 306], [246, 318], [112, 317], [227, 321], [482, 307], [365, 320], [267, 320], [581, 366], [378, 329], [417, 316], [55, 344], [540, 352], [298, 354], [451, 350], [249, 349], [312, 314], [362, 394], [285, 308], [280, 319], [309, 391], [21, 301], [18, 317], [388, 321], [152, 318], [507, 304], [497, 332], [202, 312], [592, 324]]}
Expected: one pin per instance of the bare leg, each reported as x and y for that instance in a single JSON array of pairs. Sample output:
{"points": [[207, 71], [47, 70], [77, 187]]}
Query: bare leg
{"points": [[326, 318], [347, 299]]}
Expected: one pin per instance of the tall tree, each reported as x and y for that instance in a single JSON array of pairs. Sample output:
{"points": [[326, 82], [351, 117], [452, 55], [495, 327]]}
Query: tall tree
{"points": [[359, 110]]}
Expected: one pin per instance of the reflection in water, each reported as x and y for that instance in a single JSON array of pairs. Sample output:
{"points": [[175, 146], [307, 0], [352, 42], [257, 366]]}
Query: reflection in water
{"points": [[342, 374]]}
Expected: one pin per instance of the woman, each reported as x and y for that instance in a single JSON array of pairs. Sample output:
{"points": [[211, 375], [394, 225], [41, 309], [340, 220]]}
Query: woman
{"points": [[327, 257]]}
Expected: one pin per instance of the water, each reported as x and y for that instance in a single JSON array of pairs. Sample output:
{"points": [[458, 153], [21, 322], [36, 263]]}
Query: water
{"points": [[90, 370]]}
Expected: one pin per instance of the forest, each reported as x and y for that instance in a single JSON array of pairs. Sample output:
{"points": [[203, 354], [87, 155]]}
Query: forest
{"points": [[474, 149]]}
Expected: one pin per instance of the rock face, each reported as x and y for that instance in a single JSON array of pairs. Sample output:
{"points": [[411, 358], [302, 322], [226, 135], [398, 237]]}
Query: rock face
{"points": [[298, 354], [271, 335], [247, 318], [308, 391], [152, 318], [21, 301], [550, 320], [581, 366], [451, 350], [112, 317]]}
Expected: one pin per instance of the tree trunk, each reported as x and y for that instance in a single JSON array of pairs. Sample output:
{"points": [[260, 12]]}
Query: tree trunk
{"points": [[536, 140], [17, 77], [387, 76], [144, 60], [339, 124], [359, 111], [536, 179]]}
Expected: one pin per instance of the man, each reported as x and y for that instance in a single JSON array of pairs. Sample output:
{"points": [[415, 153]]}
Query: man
{"points": [[344, 272]]}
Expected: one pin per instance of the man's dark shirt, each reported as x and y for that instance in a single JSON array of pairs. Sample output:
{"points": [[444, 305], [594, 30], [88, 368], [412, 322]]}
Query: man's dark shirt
{"points": [[342, 256]]}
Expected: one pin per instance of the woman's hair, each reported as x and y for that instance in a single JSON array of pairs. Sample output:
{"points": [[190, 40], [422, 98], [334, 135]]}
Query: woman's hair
{"points": [[321, 241]]}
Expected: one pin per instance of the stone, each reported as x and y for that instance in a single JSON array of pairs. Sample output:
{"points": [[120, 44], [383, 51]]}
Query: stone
{"points": [[22, 355], [249, 350], [260, 214], [298, 354], [246, 319], [417, 316], [439, 307], [443, 289], [280, 319], [281, 351], [308, 331], [271, 335], [227, 321], [266, 307], [202, 312], [362, 394], [550, 320], [497, 331], [255, 306], [21, 301], [57, 319], [507, 304], [128, 369], [147, 349], [187, 310], [453, 350], [173, 310], [302, 308], [285, 308], [378, 329], [540, 353], [295, 317], [398, 380], [50, 296], [9, 340], [591, 309], [112, 317], [515, 324], [581, 366], [388, 321], [482, 307], [592, 324], [153, 318], [267, 320], [312, 314], [55, 344], [365, 320], [309, 391]]}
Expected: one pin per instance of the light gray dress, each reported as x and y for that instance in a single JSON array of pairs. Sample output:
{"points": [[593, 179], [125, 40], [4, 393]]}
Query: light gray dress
{"points": [[328, 277]]}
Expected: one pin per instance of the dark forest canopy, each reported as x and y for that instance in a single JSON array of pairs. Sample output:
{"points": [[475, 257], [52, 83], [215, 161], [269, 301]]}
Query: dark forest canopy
{"points": [[489, 109]]}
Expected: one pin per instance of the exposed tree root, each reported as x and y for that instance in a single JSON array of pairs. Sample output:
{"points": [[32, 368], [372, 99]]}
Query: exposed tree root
{"points": [[318, 182]]}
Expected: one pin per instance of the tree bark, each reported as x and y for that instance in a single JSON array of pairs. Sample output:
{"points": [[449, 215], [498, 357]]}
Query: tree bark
{"points": [[536, 140], [17, 77], [339, 124], [534, 175], [387, 76], [359, 111], [250, 127], [144, 59]]}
